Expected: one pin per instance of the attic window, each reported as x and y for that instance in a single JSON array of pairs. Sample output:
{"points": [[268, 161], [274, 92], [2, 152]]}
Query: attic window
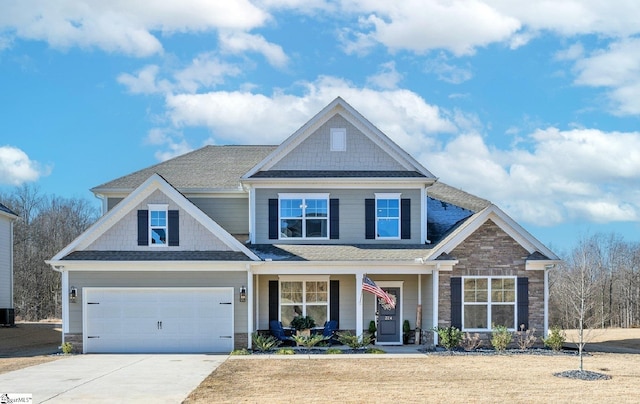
{"points": [[158, 228], [338, 139]]}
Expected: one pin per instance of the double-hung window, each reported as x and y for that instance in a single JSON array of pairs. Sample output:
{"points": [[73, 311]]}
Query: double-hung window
{"points": [[304, 298], [388, 216], [304, 216], [488, 302], [158, 228]]}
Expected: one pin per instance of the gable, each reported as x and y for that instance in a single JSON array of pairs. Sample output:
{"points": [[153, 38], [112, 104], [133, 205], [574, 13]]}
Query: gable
{"points": [[309, 150], [315, 152], [123, 234], [125, 227]]}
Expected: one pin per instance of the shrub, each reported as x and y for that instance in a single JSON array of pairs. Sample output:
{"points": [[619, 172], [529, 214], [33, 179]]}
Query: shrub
{"points": [[285, 351], [67, 348], [449, 337], [333, 351], [555, 339], [243, 351], [308, 341], [471, 342], [372, 327], [500, 338], [264, 343], [353, 341], [525, 339], [375, 351]]}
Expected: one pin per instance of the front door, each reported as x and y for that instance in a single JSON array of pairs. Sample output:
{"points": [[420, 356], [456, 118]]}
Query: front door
{"points": [[389, 319]]}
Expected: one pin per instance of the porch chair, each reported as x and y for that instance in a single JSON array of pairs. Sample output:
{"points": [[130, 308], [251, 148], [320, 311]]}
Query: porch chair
{"points": [[277, 331], [329, 332]]}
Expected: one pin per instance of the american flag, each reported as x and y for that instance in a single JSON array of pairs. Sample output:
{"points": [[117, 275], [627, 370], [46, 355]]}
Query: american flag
{"points": [[370, 286]]}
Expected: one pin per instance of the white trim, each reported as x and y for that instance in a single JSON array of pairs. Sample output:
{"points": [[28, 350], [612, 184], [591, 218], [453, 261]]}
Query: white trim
{"points": [[546, 303], [399, 308], [296, 278], [65, 303], [489, 303], [249, 304], [435, 290], [502, 220], [304, 218], [389, 196], [338, 139], [252, 214], [158, 207]]}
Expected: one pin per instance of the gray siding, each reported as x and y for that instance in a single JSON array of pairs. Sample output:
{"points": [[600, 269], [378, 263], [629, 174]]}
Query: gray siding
{"points": [[314, 153], [230, 213], [352, 225], [124, 234], [157, 279], [6, 275]]}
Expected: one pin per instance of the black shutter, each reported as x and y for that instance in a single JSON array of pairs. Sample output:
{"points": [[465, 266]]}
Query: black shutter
{"points": [[523, 303], [143, 227], [334, 302], [334, 217], [370, 219], [405, 218], [456, 302], [273, 300], [174, 228], [273, 219]]}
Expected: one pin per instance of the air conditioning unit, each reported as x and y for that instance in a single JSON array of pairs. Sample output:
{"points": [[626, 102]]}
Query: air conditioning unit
{"points": [[8, 317]]}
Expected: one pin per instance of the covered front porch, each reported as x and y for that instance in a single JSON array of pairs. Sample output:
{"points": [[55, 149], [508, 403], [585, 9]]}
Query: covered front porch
{"points": [[282, 291]]}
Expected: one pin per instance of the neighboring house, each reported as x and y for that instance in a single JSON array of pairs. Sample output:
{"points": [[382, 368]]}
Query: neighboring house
{"points": [[7, 314], [196, 253]]}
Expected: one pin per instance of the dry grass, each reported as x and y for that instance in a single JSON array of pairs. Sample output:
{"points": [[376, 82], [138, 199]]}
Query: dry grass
{"points": [[517, 378], [28, 344], [434, 378]]}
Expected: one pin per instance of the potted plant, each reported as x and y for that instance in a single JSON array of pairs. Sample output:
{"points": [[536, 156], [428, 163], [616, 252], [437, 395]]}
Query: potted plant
{"points": [[372, 330], [303, 325], [408, 338]]}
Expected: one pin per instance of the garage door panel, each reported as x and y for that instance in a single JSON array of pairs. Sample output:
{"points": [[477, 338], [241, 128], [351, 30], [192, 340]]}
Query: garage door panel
{"points": [[158, 320]]}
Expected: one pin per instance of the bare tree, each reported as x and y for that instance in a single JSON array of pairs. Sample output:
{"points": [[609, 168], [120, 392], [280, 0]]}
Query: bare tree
{"points": [[45, 226], [580, 284]]}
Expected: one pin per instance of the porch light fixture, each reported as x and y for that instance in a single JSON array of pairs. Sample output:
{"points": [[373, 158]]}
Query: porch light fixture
{"points": [[73, 294], [243, 294]]}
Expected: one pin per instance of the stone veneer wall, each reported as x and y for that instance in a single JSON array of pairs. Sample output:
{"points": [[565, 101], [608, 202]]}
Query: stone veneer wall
{"points": [[240, 340], [492, 252], [75, 340]]}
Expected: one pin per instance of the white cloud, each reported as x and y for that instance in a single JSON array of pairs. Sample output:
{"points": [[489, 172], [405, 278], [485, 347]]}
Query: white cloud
{"points": [[172, 142], [17, 168], [243, 117], [387, 78], [121, 26], [420, 26], [580, 174], [446, 71], [205, 71], [240, 42], [616, 69], [573, 52]]}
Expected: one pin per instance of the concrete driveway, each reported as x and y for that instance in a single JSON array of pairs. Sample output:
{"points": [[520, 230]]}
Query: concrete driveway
{"points": [[112, 378]]}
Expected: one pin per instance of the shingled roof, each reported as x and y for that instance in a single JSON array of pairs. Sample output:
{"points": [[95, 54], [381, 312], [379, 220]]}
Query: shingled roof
{"points": [[208, 168], [4, 209], [341, 252]]}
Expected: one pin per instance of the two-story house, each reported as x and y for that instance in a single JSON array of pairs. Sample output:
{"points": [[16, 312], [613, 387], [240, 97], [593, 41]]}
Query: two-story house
{"points": [[7, 313], [196, 253]]}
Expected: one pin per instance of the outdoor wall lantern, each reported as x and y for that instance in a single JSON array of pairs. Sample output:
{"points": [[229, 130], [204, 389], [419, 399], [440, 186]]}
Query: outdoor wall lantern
{"points": [[243, 294], [73, 294]]}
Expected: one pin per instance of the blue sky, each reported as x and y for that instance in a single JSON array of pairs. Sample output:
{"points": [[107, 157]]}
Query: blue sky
{"points": [[532, 105]]}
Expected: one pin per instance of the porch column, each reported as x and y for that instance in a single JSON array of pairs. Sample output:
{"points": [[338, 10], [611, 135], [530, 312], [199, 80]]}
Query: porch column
{"points": [[249, 304], [435, 279], [359, 305]]}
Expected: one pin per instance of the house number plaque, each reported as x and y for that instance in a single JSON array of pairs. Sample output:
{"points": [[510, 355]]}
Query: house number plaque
{"points": [[388, 318]]}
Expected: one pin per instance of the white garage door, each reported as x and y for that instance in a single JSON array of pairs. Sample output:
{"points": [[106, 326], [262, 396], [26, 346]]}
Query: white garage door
{"points": [[148, 320]]}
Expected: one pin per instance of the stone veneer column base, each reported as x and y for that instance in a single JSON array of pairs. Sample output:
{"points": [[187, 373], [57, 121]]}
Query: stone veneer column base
{"points": [[76, 340]]}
